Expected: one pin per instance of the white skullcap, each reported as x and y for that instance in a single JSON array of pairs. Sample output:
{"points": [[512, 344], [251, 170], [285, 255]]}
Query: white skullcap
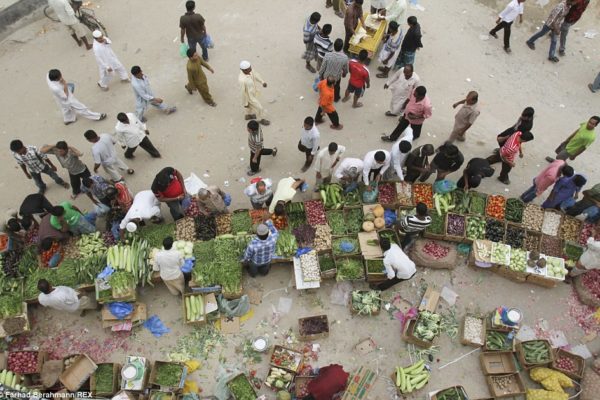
{"points": [[97, 34], [245, 64], [131, 227]]}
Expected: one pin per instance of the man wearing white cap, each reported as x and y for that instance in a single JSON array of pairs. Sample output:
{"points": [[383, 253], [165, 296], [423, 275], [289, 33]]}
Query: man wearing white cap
{"points": [[249, 81], [107, 60], [260, 250], [348, 172], [145, 206], [66, 14]]}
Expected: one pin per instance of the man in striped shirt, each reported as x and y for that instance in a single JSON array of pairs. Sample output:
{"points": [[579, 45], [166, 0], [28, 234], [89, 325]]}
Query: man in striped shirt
{"points": [[511, 145], [335, 63], [255, 143], [34, 164], [323, 44], [311, 27], [413, 225]]}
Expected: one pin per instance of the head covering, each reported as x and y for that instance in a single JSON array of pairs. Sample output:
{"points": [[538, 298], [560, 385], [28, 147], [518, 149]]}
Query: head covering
{"points": [[131, 227], [97, 34], [245, 64], [353, 172], [202, 193], [262, 230]]}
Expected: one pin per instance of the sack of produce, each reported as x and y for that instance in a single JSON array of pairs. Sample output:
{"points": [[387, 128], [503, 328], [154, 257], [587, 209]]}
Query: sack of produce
{"points": [[434, 254], [590, 385], [234, 308], [587, 287]]}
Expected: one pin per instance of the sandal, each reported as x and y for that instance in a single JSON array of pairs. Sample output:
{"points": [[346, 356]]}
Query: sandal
{"points": [[130, 171], [274, 151]]}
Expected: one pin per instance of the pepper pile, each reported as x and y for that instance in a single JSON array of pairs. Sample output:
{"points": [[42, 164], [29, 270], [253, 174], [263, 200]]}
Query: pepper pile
{"points": [[495, 206], [514, 210]]}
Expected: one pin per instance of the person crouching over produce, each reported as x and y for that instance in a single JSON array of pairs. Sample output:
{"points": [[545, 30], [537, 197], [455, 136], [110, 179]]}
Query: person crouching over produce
{"points": [[260, 250], [169, 187], [348, 173], [63, 298], [211, 201], [476, 170], [326, 161], [413, 225], [67, 217], [145, 206], [260, 193], [330, 381], [398, 267], [169, 262], [286, 190], [590, 259]]}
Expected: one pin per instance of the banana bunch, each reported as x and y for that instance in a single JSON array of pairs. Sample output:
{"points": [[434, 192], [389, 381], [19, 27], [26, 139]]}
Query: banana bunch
{"points": [[412, 378]]}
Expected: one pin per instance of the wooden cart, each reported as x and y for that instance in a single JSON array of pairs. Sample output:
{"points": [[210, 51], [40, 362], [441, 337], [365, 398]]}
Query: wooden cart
{"points": [[372, 41]]}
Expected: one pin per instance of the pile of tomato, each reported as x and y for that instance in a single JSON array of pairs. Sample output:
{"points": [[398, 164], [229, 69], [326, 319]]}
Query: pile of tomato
{"points": [[495, 206]]}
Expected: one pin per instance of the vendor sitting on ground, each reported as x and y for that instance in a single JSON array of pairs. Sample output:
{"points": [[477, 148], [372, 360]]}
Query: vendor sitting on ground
{"points": [[260, 193], [331, 380], [49, 254], [285, 192], [398, 267], [169, 262], [261, 248], [590, 259], [413, 225], [47, 231], [63, 298], [68, 218], [211, 201], [145, 206]]}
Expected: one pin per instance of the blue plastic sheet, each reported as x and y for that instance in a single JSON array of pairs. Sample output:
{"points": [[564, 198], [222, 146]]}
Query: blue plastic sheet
{"points": [[155, 326], [346, 247], [302, 250], [106, 272], [188, 265], [120, 309], [351, 187], [390, 217], [444, 186], [227, 199]]}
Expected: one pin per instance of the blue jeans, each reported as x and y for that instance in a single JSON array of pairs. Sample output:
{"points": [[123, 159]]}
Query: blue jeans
{"points": [[405, 58], [529, 194], [553, 39], [83, 226], [192, 42], [254, 269], [37, 178]]}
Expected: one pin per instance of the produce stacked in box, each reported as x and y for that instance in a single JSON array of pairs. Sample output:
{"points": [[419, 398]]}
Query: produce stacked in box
{"points": [[8, 379], [536, 263], [494, 230], [241, 222], [241, 389], [286, 244], [498, 341], [443, 203], [322, 237], [223, 224], [305, 235], [91, 245], [326, 262], [555, 267], [404, 194], [515, 236], [495, 206], [65, 275], [461, 201], [88, 268], [206, 228], [279, 379], [345, 245], [10, 263], [475, 228], [185, 229], [427, 326], [122, 283], [389, 235], [354, 219], [536, 352], [500, 253], [518, 260], [586, 232], [315, 212], [514, 210], [168, 374], [103, 379], [336, 221], [256, 216], [286, 359], [455, 225], [387, 193], [532, 241], [194, 308], [477, 203], [332, 196], [412, 378], [280, 222], [452, 393], [349, 268], [23, 362], [569, 229], [435, 250], [533, 216], [374, 219], [473, 330], [222, 267], [154, 233], [423, 193], [568, 363], [11, 304], [309, 264], [313, 325], [551, 246], [437, 225], [132, 258], [551, 223], [572, 253], [375, 266], [366, 302]]}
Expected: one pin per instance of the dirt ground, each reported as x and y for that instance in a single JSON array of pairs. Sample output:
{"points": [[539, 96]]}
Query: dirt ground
{"points": [[457, 57]]}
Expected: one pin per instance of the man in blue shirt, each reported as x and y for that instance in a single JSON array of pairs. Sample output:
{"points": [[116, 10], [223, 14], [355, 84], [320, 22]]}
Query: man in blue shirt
{"points": [[565, 191], [260, 250]]}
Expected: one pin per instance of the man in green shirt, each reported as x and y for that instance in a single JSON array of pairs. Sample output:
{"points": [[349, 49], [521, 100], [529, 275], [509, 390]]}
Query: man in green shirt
{"points": [[589, 205], [579, 140], [68, 218]]}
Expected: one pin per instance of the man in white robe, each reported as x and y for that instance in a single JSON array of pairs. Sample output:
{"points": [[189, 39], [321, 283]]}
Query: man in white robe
{"points": [[107, 61], [249, 81], [401, 84], [66, 15]]}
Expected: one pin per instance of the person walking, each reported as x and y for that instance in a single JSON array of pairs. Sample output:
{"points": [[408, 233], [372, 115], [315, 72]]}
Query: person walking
{"points": [[144, 95], [465, 117], [401, 84], [575, 12], [69, 105], [131, 133], [260, 192], [66, 15], [564, 192], [197, 78], [348, 173], [63, 298], [34, 163], [310, 138], [249, 81], [326, 103], [169, 187], [322, 44], [417, 163], [546, 178], [476, 169], [107, 60], [578, 142], [417, 108], [506, 154], [553, 24], [447, 160], [309, 30], [339, 6], [103, 151], [353, 14], [391, 49], [595, 86], [256, 146], [335, 63], [413, 225], [505, 20], [68, 157], [169, 262], [411, 43], [259, 253], [375, 164], [193, 26], [360, 78], [326, 161], [398, 266]]}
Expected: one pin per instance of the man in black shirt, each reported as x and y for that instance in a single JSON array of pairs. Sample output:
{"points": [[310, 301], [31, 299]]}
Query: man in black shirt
{"points": [[417, 163], [476, 170], [410, 44], [447, 160]]}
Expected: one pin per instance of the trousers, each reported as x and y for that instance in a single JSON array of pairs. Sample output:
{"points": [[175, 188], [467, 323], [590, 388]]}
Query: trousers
{"points": [[255, 166], [202, 88], [76, 180], [142, 106], [333, 117], [145, 144], [74, 108], [255, 269], [402, 125], [255, 108], [37, 178], [176, 209], [506, 26], [194, 42], [391, 282], [530, 194], [105, 76], [495, 158], [176, 286], [114, 169], [553, 39]]}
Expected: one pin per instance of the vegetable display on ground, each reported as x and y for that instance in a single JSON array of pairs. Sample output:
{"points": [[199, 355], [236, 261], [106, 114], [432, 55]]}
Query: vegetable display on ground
{"points": [[103, 378], [387, 193], [332, 196], [286, 244], [322, 237], [477, 203], [168, 374], [536, 352], [241, 389], [326, 262], [533, 216], [279, 379], [569, 229], [345, 245], [475, 228], [495, 206], [309, 264], [437, 225], [497, 341], [423, 193], [315, 212], [353, 220], [518, 260], [551, 246], [455, 225], [532, 241], [427, 326], [366, 302], [404, 194], [494, 230], [305, 235], [473, 331], [241, 222], [349, 268], [435, 250], [551, 223], [336, 221], [443, 203], [412, 378], [514, 210], [515, 236], [206, 228]]}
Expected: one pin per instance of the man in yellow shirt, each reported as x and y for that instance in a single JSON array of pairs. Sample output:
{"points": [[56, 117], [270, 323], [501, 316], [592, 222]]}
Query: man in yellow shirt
{"points": [[197, 78]]}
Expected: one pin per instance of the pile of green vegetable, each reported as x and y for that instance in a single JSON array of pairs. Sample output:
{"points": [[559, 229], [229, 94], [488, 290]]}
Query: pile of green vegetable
{"points": [[204, 251], [452, 393], [345, 245], [122, 283], [475, 228], [443, 203], [366, 302], [103, 377], [518, 260], [217, 262], [65, 275], [427, 326], [572, 251], [11, 304], [326, 262], [241, 222], [168, 374], [349, 269], [514, 210], [241, 389], [286, 244], [477, 203], [536, 352], [88, 268], [155, 233], [461, 201], [375, 266], [28, 261], [354, 220], [352, 198], [497, 341], [336, 222], [295, 214], [332, 196], [133, 258], [91, 245], [389, 235], [437, 225]]}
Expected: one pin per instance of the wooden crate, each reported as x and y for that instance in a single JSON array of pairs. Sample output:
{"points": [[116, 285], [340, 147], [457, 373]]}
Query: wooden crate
{"points": [[374, 277], [297, 355], [330, 273], [338, 259], [241, 376], [511, 347], [455, 238], [577, 360], [543, 281], [517, 387], [301, 381], [464, 340], [548, 211], [487, 204], [22, 318], [115, 383], [313, 336], [75, 375], [521, 354]]}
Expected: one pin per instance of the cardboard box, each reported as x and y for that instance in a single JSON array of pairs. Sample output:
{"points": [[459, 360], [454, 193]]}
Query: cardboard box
{"points": [[430, 300], [577, 360], [298, 358], [285, 387], [138, 314], [202, 319], [138, 384], [353, 311], [42, 356], [515, 386], [498, 363], [300, 382], [359, 383], [3, 359], [467, 342], [240, 376], [313, 336], [510, 348], [409, 336], [116, 368], [156, 366], [521, 354], [459, 389], [375, 277], [365, 346], [75, 375]]}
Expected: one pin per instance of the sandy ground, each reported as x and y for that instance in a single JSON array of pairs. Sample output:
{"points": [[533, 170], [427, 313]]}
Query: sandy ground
{"points": [[212, 142]]}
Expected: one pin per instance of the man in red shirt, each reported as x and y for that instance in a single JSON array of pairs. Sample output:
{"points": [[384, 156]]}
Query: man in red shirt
{"points": [[331, 380], [506, 154], [574, 14], [168, 187], [359, 78], [326, 96]]}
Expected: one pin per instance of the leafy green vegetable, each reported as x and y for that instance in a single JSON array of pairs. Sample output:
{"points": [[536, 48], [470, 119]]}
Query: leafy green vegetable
{"points": [[349, 268], [366, 302], [155, 233], [326, 262], [354, 220], [437, 224], [168, 374], [286, 244], [11, 304], [104, 378], [241, 389], [336, 221], [65, 275], [375, 266], [241, 222]]}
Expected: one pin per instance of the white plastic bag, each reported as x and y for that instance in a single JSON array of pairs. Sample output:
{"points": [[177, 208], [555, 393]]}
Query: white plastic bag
{"points": [[193, 184], [591, 256]]}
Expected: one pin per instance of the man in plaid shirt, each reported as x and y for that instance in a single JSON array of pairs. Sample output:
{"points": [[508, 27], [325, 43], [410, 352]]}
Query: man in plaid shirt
{"points": [[34, 164], [260, 250]]}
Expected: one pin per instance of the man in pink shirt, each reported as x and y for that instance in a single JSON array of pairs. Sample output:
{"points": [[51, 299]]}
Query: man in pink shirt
{"points": [[417, 108], [547, 178], [506, 154]]}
